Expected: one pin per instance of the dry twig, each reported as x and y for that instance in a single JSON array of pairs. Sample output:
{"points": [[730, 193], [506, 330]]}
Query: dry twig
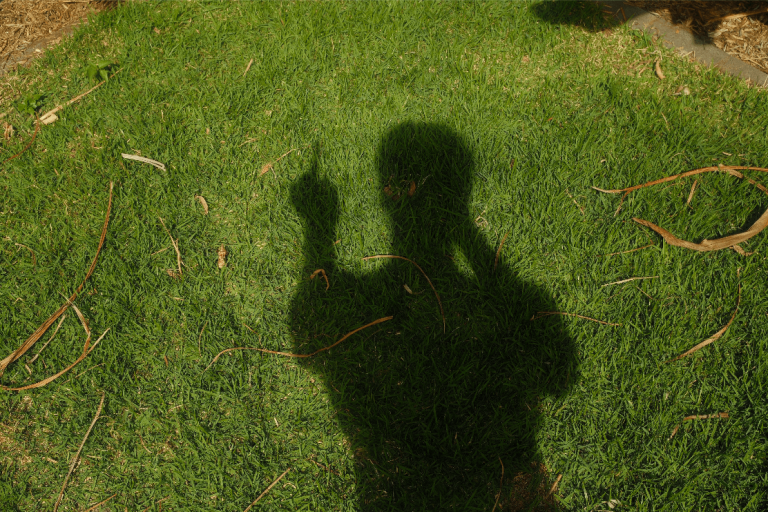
{"points": [[175, 246], [554, 485], [392, 256], [693, 189], [34, 136], [94, 507], [58, 326], [77, 455], [581, 208], [289, 354], [707, 416], [321, 272], [628, 280], [715, 336], [50, 116], [247, 67], [267, 490], [270, 165]]}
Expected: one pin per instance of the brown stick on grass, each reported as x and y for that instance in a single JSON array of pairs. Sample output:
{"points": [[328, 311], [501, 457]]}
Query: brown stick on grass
{"points": [[267, 490], [322, 273], [289, 354], [715, 336], [175, 246], [77, 455], [94, 507], [34, 136], [392, 256], [29, 342], [47, 118]]}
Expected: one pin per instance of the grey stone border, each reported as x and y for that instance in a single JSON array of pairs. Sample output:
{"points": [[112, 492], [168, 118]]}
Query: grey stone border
{"points": [[684, 41]]}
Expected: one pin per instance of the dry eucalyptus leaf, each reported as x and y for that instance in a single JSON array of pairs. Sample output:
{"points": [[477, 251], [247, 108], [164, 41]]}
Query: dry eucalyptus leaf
{"points": [[149, 161], [407, 289], [705, 245], [412, 189], [49, 118], [657, 67], [265, 169], [222, 262], [204, 203]]}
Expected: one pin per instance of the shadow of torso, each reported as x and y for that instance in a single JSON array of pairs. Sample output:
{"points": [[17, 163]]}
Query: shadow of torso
{"points": [[429, 408]]}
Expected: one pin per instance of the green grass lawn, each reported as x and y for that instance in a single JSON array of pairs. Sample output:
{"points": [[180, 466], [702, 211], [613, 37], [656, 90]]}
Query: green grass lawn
{"points": [[498, 117]]}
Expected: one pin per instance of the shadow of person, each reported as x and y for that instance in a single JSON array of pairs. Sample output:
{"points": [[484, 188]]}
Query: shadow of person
{"points": [[428, 409]]}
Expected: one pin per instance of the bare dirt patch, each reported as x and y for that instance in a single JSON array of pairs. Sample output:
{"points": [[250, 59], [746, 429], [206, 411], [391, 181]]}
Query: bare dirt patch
{"points": [[738, 28], [29, 27]]}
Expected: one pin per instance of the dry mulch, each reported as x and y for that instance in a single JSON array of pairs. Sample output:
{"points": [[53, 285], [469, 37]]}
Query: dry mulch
{"points": [[738, 28], [28, 24]]}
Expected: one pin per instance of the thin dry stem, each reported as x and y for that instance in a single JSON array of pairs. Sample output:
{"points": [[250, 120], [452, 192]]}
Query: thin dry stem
{"points": [[628, 280], [34, 136], [289, 354], [693, 190], [153, 163], [707, 416], [58, 326], [581, 208], [94, 507], [267, 490], [77, 455], [175, 246], [715, 336], [325, 276], [47, 118], [247, 67], [498, 251], [625, 252], [554, 485], [392, 256]]}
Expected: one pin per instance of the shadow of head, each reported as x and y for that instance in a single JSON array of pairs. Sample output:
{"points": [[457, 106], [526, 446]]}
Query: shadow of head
{"points": [[429, 411], [587, 15]]}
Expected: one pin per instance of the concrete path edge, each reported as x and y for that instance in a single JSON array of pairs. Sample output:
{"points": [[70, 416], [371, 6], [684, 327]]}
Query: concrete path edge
{"points": [[684, 42]]}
